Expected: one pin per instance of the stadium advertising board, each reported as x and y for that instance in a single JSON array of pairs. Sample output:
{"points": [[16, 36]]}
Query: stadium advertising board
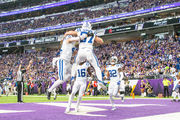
{"points": [[161, 22], [93, 20], [1, 44], [120, 29]]}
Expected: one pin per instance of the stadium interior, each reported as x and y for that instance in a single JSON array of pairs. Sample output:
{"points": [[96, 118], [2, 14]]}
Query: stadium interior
{"points": [[143, 34]]}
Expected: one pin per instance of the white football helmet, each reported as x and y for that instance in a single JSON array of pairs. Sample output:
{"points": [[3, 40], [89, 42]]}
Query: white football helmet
{"points": [[86, 26], [113, 60]]}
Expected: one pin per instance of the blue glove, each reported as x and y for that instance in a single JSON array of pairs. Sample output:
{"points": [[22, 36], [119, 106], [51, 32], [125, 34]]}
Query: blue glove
{"points": [[119, 82]]}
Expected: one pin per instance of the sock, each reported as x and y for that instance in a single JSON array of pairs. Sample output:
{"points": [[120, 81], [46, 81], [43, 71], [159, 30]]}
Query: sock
{"points": [[70, 100], [57, 83], [174, 95], [111, 100], [98, 73], [122, 96]]}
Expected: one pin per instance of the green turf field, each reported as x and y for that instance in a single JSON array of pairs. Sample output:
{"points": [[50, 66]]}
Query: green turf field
{"points": [[43, 98], [36, 98]]}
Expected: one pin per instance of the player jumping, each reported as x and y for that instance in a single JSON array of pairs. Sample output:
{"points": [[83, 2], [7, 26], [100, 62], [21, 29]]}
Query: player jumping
{"points": [[86, 48], [63, 62]]}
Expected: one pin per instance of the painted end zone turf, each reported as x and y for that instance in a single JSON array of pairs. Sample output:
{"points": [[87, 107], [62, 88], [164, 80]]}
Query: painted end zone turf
{"points": [[136, 109]]}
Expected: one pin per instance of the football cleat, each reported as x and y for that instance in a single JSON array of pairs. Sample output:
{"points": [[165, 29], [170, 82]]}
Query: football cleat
{"points": [[55, 97], [113, 108], [76, 109], [67, 110]]}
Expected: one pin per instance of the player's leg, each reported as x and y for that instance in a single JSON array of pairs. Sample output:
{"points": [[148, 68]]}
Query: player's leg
{"points": [[110, 91], [91, 57], [116, 90], [81, 92], [94, 62], [81, 56], [71, 97], [178, 93], [55, 94], [61, 68], [122, 90]]}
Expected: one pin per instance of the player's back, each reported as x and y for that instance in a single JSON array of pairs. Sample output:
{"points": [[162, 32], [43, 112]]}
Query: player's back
{"points": [[113, 72], [86, 43], [67, 49], [81, 72]]}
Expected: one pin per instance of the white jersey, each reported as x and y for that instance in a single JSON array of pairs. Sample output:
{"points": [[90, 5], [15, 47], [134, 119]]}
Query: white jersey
{"points": [[67, 49], [81, 72], [114, 74], [176, 83], [87, 43]]}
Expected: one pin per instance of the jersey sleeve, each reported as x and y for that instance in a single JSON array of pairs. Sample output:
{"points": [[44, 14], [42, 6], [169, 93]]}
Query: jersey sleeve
{"points": [[73, 70], [78, 30]]}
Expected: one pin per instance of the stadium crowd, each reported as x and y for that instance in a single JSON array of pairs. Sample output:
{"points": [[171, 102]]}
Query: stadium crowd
{"points": [[17, 4], [79, 15], [139, 58]]}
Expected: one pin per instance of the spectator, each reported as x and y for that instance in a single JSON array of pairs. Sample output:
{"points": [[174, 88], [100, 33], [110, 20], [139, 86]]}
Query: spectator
{"points": [[39, 87], [95, 88], [166, 84], [142, 87]]}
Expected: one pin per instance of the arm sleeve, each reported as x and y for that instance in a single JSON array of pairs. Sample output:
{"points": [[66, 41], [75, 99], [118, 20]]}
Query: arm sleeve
{"points": [[81, 37], [73, 71]]}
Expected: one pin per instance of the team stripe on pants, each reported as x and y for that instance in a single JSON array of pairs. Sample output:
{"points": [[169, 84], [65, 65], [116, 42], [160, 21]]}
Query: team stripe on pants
{"points": [[60, 69]]}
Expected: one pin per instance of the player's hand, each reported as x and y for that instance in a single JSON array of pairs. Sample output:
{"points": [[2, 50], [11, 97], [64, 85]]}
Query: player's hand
{"points": [[31, 61], [119, 82]]}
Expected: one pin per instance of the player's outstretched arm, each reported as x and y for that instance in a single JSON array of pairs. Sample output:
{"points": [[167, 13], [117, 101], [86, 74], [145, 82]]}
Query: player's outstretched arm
{"points": [[30, 63], [76, 39], [73, 33], [99, 40], [106, 72]]}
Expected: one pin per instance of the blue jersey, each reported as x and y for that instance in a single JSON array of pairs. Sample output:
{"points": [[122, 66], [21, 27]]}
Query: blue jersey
{"points": [[87, 42]]}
